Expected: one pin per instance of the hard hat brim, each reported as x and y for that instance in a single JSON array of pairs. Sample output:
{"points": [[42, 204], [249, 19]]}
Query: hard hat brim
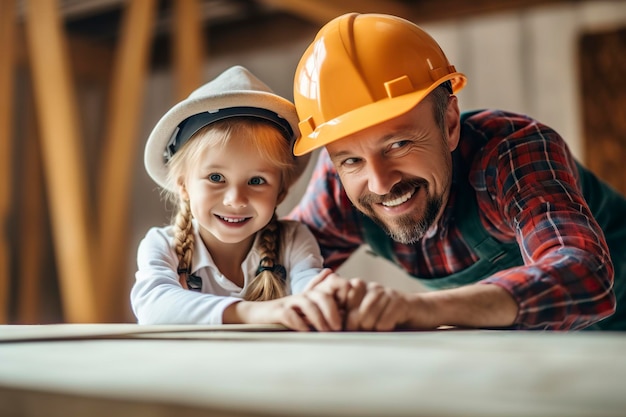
{"points": [[368, 116]]}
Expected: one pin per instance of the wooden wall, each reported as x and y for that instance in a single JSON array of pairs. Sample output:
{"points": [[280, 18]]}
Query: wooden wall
{"points": [[602, 61]]}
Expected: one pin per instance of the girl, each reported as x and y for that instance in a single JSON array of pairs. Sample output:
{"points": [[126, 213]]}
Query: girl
{"points": [[224, 157]]}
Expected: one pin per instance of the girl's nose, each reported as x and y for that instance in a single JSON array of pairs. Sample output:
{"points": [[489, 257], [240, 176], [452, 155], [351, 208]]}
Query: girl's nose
{"points": [[235, 197]]}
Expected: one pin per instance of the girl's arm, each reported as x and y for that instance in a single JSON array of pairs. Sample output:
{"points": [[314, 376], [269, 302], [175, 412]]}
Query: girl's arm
{"points": [[158, 298]]}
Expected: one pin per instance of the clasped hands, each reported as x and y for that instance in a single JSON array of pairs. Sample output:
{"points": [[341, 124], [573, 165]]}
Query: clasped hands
{"points": [[333, 303]]}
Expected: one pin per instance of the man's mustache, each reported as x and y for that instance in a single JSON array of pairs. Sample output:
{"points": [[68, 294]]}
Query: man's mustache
{"points": [[398, 190]]}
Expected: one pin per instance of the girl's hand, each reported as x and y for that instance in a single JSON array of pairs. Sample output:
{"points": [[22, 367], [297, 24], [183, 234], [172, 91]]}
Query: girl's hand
{"points": [[333, 284], [311, 310]]}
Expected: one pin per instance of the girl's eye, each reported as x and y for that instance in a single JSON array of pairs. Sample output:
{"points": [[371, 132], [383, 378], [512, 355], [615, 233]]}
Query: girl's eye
{"points": [[256, 181], [216, 177]]}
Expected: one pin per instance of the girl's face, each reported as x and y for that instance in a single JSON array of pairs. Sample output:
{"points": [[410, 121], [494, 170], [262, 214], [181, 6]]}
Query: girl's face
{"points": [[232, 191]]}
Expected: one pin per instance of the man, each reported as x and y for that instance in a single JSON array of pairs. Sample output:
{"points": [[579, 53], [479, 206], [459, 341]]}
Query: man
{"points": [[488, 208]]}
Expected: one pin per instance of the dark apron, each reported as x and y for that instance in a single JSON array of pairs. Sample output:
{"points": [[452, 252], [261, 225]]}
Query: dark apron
{"points": [[607, 205]]}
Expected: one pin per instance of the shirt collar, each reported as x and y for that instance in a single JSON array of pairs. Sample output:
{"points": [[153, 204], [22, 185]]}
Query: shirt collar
{"points": [[202, 257]]}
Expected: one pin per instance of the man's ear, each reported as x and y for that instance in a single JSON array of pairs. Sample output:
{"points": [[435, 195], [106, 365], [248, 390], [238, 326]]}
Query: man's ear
{"points": [[453, 122]]}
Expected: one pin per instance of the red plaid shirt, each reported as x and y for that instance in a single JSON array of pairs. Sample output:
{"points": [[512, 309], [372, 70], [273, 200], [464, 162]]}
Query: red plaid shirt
{"points": [[525, 180]]}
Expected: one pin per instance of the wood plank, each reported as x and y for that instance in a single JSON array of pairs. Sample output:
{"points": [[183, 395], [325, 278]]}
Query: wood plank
{"points": [[189, 47], [120, 146], [62, 156], [7, 67], [438, 373]]}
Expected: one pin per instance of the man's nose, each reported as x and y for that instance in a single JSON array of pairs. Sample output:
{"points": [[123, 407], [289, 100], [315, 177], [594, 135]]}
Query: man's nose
{"points": [[382, 176]]}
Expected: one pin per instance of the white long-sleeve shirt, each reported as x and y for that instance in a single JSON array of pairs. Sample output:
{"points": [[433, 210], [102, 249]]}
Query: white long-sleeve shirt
{"points": [[158, 298]]}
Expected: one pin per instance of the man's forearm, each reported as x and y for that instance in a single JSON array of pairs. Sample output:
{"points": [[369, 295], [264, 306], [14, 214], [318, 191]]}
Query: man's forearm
{"points": [[476, 306]]}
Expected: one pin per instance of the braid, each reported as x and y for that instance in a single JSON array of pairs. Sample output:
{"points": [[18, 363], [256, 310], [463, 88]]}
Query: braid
{"points": [[183, 239], [269, 282]]}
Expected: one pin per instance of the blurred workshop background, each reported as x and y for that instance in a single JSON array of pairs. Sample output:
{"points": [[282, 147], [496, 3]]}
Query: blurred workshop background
{"points": [[82, 82]]}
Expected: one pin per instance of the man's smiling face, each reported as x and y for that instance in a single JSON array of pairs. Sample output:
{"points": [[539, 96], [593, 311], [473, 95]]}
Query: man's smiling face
{"points": [[399, 172]]}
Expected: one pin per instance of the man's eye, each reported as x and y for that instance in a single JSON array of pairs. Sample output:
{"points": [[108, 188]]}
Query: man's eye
{"points": [[216, 177], [257, 181], [399, 144], [350, 161]]}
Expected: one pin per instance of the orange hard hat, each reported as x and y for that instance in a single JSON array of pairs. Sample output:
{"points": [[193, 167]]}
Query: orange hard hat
{"points": [[361, 70]]}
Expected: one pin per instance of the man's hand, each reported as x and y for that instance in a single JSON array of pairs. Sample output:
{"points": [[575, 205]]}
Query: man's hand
{"points": [[369, 306], [362, 305], [374, 307]]}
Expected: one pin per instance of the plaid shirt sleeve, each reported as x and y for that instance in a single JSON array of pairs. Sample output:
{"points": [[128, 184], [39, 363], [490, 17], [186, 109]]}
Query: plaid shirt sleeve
{"points": [[526, 181], [328, 212]]}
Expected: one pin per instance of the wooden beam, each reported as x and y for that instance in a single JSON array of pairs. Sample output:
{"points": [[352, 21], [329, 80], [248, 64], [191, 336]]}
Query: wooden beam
{"points": [[90, 60], [62, 156], [188, 51], [322, 11], [435, 10], [7, 41], [33, 237], [119, 153]]}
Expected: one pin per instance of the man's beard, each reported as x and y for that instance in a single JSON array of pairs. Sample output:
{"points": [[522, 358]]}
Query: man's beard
{"points": [[407, 228]]}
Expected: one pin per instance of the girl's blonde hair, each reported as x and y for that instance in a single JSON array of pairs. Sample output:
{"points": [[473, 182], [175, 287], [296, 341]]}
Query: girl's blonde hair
{"points": [[269, 144]]}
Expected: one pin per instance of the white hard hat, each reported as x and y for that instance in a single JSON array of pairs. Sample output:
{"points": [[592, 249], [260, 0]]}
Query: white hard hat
{"points": [[235, 92]]}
